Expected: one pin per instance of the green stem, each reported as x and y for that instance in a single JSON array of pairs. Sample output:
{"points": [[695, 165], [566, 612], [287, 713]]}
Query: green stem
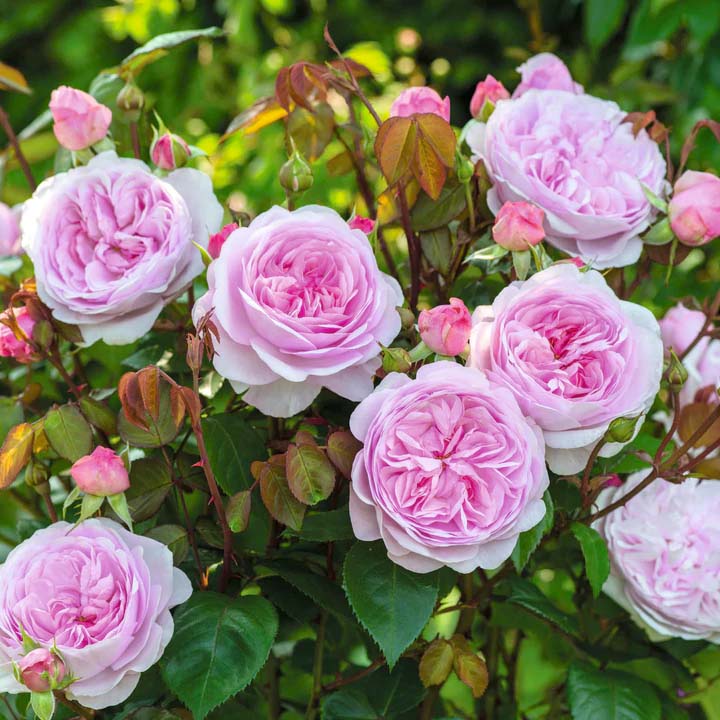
{"points": [[311, 712]]}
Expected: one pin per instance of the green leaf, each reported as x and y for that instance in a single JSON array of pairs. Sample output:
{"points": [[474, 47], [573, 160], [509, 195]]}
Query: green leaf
{"points": [[437, 662], [43, 704], [595, 552], [428, 214], [311, 476], [327, 526], [238, 511], [68, 432], [530, 539], [602, 19], [392, 603], [219, 646], [175, 538], [437, 248], [487, 254], [150, 483], [530, 597], [276, 495], [610, 695], [90, 505]]}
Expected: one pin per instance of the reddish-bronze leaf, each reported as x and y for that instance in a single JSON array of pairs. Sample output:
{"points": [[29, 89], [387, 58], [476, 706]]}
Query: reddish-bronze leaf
{"points": [[15, 453], [692, 417], [428, 169], [472, 671], [276, 495], [438, 133], [310, 475], [342, 447], [395, 147]]}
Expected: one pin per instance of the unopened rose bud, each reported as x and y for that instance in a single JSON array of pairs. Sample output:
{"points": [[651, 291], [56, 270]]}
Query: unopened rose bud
{"points": [[676, 372], [79, 120], [358, 222], [621, 430], [612, 481], [36, 476], [420, 100], [296, 175], [465, 169], [169, 151], [101, 473], [195, 352], [694, 209], [518, 226], [10, 344], [487, 93], [218, 239], [130, 102], [41, 670], [396, 360], [445, 329]]}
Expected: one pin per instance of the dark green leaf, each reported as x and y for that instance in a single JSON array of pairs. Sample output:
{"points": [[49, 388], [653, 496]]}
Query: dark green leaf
{"points": [[529, 596], [175, 538], [150, 483], [428, 214], [602, 20], [327, 526], [68, 432], [595, 552], [530, 539], [437, 248]]}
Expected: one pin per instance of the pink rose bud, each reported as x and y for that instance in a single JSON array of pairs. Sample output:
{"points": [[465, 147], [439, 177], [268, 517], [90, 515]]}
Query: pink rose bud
{"points": [[576, 261], [417, 100], [218, 239], [518, 225], [487, 90], [612, 481], [695, 208], [358, 222], [169, 151], [445, 329], [101, 473], [546, 72], [9, 232], [41, 670], [80, 120], [10, 344]]}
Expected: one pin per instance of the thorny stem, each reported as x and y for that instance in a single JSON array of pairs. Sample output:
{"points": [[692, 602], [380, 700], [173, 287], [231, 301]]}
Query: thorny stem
{"points": [[413, 250], [12, 138]]}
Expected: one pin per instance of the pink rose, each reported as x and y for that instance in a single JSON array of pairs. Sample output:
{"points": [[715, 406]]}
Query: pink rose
{"points": [[79, 119], [10, 344], [41, 670], [695, 208], [573, 156], [663, 547], [121, 585], [358, 222], [445, 329], [487, 90], [103, 473], [518, 226], [451, 472], [300, 304], [169, 151], [574, 356], [112, 244], [9, 232], [545, 72], [418, 100], [218, 239]]}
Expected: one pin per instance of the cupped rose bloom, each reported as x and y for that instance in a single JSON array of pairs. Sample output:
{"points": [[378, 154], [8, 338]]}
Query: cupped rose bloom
{"points": [[451, 472], [79, 119], [299, 304], [419, 100], [663, 547], [100, 595], [103, 473], [694, 208], [487, 90], [518, 226], [573, 156], [41, 670], [445, 329], [9, 231], [12, 346], [574, 356], [218, 239], [112, 244], [545, 71]]}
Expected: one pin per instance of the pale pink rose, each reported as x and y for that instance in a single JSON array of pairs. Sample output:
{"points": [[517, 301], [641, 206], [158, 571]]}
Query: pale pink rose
{"points": [[299, 304], [451, 472], [169, 151], [79, 119], [445, 329], [419, 100], [218, 239], [518, 226], [41, 670], [112, 244], [576, 158], [574, 356], [122, 585], [487, 90], [663, 547], [10, 345], [694, 208], [9, 232], [103, 473], [545, 71], [358, 222]]}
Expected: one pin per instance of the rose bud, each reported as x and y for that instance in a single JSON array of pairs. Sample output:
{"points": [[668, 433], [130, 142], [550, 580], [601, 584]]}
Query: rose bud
{"points": [[41, 670], [169, 151], [218, 239], [445, 329], [545, 71], [10, 344], [358, 222], [130, 101], [296, 175], [488, 90], [80, 120], [419, 100], [101, 473], [9, 232], [518, 226], [694, 209]]}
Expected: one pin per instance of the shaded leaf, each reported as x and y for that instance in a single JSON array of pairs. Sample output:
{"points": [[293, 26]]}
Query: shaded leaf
{"points": [[472, 671], [342, 447], [276, 494], [529, 596], [175, 538], [68, 432], [310, 475], [327, 526], [595, 552], [530, 539], [150, 483], [238, 511], [437, 662], [312, 130]]}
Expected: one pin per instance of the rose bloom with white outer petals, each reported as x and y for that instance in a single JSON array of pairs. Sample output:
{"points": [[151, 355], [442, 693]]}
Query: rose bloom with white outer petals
{"points": [[299, 304], [573, 156], [574, 356], [664, 558], [451, 472], [98, 593], [112, 244]]}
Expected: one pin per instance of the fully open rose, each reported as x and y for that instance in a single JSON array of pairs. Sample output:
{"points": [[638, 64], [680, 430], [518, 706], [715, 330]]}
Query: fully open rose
{"points": [[574, 356], [451, 472], [299, 304], [112, 244], [98, 593]]}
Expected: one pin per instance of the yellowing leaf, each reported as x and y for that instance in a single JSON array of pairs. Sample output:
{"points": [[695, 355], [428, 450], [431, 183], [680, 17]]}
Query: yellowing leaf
{"points": [[12, 79], [15, 453]]}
